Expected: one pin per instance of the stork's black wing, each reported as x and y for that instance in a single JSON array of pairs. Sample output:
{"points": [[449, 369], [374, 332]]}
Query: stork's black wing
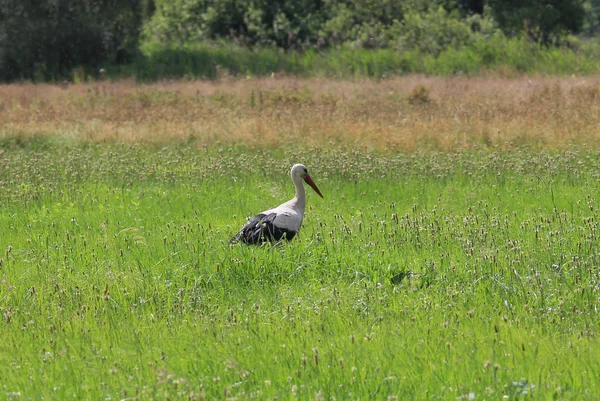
{"points": [[261, 228]]}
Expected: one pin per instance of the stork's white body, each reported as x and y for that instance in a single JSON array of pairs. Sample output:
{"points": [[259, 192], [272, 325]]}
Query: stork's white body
{"points": [[287, 217], [281, 222]]}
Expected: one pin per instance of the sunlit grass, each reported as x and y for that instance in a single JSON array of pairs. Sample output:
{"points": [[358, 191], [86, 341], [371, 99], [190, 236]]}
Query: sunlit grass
{"points": [[400, 114], [420, 275]]}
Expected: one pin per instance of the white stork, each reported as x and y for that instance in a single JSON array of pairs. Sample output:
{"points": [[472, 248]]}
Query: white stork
{"points": [[285, 220]]}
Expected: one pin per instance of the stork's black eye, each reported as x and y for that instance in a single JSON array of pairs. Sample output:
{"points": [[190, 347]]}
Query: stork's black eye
{"points": [[305, 170]]}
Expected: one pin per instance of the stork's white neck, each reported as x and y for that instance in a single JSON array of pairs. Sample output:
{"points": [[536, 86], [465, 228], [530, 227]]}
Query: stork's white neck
{"points": [[299, 201]]}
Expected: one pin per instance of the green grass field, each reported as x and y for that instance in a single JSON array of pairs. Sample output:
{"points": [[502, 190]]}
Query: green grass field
{"points": [[453, 276]]}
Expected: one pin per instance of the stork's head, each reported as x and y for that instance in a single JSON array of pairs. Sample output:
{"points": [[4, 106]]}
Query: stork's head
{"points": [[299, 171]]}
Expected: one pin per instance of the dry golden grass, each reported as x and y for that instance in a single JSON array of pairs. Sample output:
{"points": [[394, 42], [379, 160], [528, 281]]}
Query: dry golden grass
{"points": [[404, 113]]}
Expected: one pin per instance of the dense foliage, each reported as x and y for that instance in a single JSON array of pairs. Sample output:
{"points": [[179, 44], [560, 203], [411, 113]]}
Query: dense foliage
{"points": [[48, 39], [45, 39], [302, 24], [542, 20]]}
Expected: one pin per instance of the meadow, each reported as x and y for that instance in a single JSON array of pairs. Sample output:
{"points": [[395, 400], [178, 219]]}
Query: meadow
{"points": [[455, 255]]}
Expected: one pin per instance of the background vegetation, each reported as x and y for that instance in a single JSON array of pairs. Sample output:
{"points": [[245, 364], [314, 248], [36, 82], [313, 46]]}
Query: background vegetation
{"points": [[152, 39], [399, 114]]}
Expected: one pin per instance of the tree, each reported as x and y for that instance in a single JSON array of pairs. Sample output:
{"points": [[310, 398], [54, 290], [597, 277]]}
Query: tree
{"points": [[46, 39], [293, 23], [284, 23], [592, 20], [543, 21], [474, 6]]}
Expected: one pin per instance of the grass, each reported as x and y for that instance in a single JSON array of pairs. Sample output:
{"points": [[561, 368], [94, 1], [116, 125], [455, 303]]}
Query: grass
{"points": [[400, 114], [447, 261], [514, 57], [419, 276]]}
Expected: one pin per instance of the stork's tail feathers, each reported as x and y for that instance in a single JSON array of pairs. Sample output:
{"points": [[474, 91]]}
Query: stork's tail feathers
{"points": [[260, 229]]}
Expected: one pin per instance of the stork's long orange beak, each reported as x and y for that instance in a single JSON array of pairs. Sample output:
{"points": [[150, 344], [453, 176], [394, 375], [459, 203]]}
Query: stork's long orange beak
{"points": [[312, 184]]}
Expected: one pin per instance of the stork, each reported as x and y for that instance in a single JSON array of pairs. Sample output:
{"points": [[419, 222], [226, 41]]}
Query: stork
{"points": [[281, 222]]}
